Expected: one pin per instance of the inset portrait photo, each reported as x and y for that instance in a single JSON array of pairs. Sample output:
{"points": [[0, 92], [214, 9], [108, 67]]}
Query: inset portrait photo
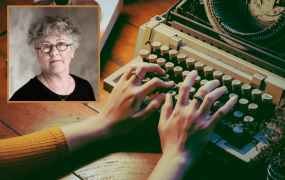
{"points": [[53, 53]]}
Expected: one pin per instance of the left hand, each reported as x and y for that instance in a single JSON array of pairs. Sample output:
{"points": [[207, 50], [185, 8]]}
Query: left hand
{"points": [[121, 109]]}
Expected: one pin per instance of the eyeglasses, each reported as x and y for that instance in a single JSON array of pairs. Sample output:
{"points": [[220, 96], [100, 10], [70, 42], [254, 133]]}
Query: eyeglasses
{"points": [[45, 48]]}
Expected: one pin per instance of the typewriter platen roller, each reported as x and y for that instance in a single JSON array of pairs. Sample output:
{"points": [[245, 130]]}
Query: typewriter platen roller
{"points": [[183, 35]]}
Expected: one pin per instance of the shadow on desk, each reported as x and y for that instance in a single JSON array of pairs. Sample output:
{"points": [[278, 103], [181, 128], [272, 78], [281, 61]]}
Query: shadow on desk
{"points": [[135, 156]]}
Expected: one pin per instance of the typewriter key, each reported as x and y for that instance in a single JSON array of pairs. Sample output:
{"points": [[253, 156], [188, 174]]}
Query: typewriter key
{"points": [[190, 62], [236, 86], [252, 108], [181, 60], [169, 69], [208, 72], [164, 77], [164, 52], [267, 98], [243, 104], [218, 75], [161, 62], [203, 82], [238, 116], [248, 120], [144, 54], [172, 93], [227, 81], [173, 56], [192, 92], [178, 74], [256, 95], [145, 80], [246, 90], [197, 82], [179, 85], [152, 58], [184, 74], [156, 48], [199, 66]]}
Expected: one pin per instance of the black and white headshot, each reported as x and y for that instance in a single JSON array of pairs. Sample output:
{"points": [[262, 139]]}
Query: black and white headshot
{"points": [[53, 53]]}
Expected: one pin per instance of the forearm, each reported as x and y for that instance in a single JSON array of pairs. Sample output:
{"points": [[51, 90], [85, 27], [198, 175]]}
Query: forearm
{"points": [[24, 155], [170, 168], [89, 131]]}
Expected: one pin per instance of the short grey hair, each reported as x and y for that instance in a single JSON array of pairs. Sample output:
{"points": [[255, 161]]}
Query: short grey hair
{"points": [[60, 23]]}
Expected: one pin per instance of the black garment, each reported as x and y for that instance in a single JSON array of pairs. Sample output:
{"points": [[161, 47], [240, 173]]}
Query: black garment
{"points": [[35, 90]]}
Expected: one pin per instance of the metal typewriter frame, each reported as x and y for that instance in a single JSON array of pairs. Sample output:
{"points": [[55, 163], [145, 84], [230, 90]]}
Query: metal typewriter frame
{"points": [[156, 30]]}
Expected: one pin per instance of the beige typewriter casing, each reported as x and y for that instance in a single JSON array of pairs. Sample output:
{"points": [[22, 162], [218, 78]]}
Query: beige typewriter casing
{"points": [[229, 64]]}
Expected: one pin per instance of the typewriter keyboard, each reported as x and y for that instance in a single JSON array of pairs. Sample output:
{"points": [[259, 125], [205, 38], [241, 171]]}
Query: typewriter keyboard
{"points": [[243, 122]]}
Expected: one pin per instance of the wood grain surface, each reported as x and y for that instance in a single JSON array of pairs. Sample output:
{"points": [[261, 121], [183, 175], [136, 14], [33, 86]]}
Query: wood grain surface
{"points": [[129, 157]]}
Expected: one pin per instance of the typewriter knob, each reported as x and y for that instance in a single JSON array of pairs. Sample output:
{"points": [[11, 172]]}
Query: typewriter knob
{"points": [[256, 94], [156, 45], [184, 74], [236, 85], [144, 53], [248, 120], [199, 66], [203, 82], [161, 62], [164, 77], [181, 58], [252, 108], [169, 66], [218, 75], [227, 80], [173, 53], [246, 89], [164, 49], [243, 103], [152, 58], [267, 98]]}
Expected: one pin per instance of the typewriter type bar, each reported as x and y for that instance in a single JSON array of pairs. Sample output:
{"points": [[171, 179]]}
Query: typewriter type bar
{"points": [[232, 69]]}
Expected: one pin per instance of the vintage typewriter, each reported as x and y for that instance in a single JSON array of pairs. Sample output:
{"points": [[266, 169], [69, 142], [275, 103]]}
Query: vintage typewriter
{"points": [[237, 42]]}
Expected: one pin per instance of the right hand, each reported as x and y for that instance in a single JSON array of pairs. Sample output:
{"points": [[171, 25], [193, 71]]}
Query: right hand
{"points": [[185, 132]]}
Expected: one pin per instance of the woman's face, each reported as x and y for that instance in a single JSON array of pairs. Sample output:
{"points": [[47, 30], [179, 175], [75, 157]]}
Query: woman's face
{"points": [[54, 62]]}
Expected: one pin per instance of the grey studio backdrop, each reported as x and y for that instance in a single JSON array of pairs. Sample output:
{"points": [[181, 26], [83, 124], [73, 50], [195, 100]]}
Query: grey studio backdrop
{"points": [[23, 62]]}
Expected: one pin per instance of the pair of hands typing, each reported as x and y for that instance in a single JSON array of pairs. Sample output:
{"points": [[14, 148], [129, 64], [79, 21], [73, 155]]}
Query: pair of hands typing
{"points": [[184, 131]]}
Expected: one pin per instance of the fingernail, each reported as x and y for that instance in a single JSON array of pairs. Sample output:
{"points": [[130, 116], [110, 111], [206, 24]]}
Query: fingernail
{"points": [[216, 80], [194, 72], [225, 87]]}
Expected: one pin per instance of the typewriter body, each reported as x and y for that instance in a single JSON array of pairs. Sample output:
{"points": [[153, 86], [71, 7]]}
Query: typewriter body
{"points": [[254, 73]]}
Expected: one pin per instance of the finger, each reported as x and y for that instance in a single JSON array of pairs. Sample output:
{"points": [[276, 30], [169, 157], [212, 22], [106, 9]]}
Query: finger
{"points": [[128, 73], [203, 91], [222, 112], [143, 68], [211, 98], [166, 109], [151, 107], [184, 90], [154, 83]]}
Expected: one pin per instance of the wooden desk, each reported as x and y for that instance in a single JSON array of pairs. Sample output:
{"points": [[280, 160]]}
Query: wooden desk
{"points": [[131, 157]]}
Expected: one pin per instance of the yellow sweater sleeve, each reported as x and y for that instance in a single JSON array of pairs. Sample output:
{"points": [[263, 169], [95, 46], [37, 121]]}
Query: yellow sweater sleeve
{"points": [[23, 155]]}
